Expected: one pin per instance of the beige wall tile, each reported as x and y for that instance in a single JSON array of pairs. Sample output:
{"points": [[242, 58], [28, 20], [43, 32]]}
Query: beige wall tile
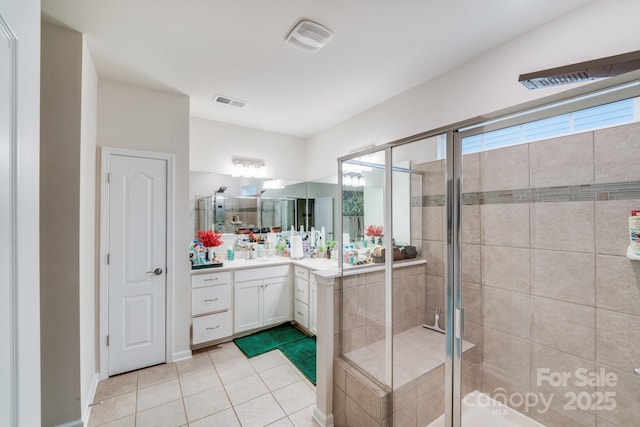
{"points": [[547, 362], [612, 226], [563, 226], [471, 262], [618, 340], [406, 415], [501, 387], [375, 302], [339, 407], [435, 292], [354, 312], [432, 222], [367, 398], [627, 399], [471, 173], [507, 356], [507, 268], [505, 168], [433, 181], [472, 301], [558, 416], [505, 225], [615, 150], [435, 256], [506, 311], [430, 407], [567, 276], [562, 161], [564, 326], [618, 284], [470, 224]]}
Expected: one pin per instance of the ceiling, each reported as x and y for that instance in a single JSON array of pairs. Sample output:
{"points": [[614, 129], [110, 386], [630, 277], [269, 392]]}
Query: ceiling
{"points": [[380, 48]]}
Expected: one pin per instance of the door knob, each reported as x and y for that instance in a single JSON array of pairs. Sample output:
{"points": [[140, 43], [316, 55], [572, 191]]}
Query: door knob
{"points": [[157, 271]]}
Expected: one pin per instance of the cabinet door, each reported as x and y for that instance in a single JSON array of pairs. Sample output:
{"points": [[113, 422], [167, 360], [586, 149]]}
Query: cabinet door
{"points": [[248, 305], [277, 300], [313, 308]]}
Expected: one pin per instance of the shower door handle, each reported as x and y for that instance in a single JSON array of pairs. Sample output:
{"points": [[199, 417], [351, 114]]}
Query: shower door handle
{"points": [[460, 323]]}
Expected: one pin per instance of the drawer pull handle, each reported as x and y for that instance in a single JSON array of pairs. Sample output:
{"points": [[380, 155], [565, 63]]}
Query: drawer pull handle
{"points": [[211, 279], [215, 327], [211, 300], [300, 314]]}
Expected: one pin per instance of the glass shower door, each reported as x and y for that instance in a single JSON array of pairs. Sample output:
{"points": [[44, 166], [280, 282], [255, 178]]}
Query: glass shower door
{"points": [[550, 332]]}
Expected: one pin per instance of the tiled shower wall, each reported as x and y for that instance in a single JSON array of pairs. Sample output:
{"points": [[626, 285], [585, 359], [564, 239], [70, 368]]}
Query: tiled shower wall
{"points": [[546, 283]]}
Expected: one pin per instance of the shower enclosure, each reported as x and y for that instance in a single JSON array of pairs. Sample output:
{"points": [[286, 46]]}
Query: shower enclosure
{"points": [[520, 229]]}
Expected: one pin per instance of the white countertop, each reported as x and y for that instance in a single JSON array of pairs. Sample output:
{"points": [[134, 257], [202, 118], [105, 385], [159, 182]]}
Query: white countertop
{"points": [[323, 267]]}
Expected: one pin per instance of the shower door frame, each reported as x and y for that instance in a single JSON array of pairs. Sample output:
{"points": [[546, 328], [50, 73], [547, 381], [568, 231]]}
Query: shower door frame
{"points": [[596, 93], [591, 95]]}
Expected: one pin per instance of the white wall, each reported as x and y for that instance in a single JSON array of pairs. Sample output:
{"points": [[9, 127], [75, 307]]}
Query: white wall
{"points": [[485, 84], [88, 230], [20, 340], [60, 259], [138, 118], [214, 145]]}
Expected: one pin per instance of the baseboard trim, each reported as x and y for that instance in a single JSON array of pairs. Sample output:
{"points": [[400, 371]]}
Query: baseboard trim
{"points": [[86, 411], [325, 420], [181, 355]]}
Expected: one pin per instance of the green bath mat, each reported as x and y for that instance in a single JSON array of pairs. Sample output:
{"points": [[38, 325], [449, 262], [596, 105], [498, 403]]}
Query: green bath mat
{"points": [[302, 353], [264, 341]]}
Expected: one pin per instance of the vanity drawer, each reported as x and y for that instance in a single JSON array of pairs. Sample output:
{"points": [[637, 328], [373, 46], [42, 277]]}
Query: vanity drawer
{"points": [[302, 290], [210, 299], [212, 327], [208, 279], [302, 272], [301, 314]]}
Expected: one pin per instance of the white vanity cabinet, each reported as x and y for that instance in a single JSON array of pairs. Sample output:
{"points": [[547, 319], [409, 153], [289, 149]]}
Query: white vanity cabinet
{"points": [[301, 301], [305, 299], [211, 307], [313, 305], [262, 297]]}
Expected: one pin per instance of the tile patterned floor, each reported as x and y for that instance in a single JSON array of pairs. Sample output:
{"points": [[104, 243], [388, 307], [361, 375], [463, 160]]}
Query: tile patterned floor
{"points": [[218, 387]]}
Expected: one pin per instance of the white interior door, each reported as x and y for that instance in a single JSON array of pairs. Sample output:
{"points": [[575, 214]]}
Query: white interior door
{"points": [[137, 262]]}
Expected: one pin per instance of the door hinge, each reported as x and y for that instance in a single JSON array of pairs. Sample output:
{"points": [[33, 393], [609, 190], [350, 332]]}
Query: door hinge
{"points": [[108, 258], [107, 340], [108, 177]]}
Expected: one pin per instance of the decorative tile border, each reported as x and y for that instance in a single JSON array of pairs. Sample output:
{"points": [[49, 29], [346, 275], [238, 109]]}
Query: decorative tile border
{"points": [[569, 193]]}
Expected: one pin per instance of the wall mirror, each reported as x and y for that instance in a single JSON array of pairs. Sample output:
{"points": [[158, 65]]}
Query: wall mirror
{"points": [[225, 203]]}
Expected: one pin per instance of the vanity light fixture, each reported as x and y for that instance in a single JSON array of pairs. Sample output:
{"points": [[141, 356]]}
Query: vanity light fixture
{"points": [[249, 168]]}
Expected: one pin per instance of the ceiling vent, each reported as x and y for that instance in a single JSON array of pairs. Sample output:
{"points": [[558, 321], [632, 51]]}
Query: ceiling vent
{"points": [[582, 71], [229, 101], [308, 36]]}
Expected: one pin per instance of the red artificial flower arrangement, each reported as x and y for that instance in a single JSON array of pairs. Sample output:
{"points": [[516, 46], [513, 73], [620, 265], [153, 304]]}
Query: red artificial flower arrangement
{"points": [[374, 231], [209, 238]]}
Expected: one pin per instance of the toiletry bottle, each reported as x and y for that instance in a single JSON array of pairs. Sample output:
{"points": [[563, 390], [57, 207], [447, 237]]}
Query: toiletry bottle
{"points": [[230, 254], [634, 232]]}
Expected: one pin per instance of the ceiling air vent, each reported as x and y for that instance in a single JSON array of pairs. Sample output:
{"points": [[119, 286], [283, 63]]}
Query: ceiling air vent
{"points": [[229, 101], [582, 71], [308, 36]]}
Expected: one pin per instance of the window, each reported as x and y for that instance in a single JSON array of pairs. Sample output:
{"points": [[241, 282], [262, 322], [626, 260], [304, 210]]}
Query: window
{"points": [[601, 116]]}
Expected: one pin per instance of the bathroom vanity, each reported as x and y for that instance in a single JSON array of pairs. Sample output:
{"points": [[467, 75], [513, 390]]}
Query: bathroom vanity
{"points": [[248, 295]]}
